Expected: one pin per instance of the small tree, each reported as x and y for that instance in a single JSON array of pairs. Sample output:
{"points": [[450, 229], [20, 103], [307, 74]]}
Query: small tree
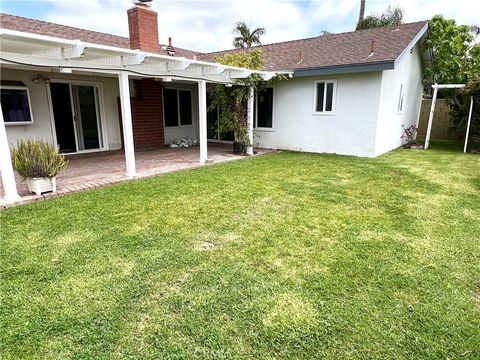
{"points": [[456, 60], [390, 17], [232, 101]]}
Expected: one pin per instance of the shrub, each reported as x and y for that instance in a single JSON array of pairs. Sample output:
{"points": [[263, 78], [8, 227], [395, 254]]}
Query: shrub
{"points": [[475, 143], [37, 158], [410, 135]]}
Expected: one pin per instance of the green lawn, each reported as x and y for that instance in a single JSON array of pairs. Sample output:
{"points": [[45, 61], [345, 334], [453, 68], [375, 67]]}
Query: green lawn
{"points": [[287, 255]]}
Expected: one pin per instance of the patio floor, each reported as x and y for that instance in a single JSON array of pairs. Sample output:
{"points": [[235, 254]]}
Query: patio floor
{"points": [[89, 171]]}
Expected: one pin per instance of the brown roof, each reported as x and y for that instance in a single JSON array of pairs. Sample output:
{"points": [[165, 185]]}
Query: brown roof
{"points": [[337, 49], [18, 23], [334, 50]]}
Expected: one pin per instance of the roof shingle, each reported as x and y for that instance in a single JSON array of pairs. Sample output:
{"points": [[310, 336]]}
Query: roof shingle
{"points": [[337, 49], [18, 23], [349, 48]]}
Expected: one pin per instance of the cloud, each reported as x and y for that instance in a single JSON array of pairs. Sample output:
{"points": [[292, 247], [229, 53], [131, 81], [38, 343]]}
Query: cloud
{"points": [[206, 25]]}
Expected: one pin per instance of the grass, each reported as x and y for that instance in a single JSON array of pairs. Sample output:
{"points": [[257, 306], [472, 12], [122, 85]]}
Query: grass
{"points": [[282, 256]]}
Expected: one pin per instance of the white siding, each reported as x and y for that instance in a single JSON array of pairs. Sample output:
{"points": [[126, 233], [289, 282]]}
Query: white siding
{"points": [[408, 71], [350, 131], [42, 126]]}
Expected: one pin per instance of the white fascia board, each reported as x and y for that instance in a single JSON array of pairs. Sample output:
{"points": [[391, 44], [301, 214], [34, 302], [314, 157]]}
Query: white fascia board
{"points": [[411, 44], [39, 39], [448, 86]]}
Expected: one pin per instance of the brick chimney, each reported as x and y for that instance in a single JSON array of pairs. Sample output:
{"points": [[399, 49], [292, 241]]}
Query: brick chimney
{"points": [[143, 27]]}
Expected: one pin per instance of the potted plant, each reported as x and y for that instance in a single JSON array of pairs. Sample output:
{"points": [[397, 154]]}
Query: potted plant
{"points": [[410, 137], [38, 162]]}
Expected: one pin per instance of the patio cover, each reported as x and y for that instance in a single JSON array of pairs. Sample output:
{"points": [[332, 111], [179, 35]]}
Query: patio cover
{"points": [[21, 50]]}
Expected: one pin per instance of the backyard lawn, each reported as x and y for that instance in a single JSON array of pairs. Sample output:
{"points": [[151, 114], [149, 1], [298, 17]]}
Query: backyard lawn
{"points": [[287, 255]]}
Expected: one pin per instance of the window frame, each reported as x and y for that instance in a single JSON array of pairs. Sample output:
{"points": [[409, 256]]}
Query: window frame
{"points": [[179, 124], [401, 99], [19, 123], [272, 128], [334, 97]]}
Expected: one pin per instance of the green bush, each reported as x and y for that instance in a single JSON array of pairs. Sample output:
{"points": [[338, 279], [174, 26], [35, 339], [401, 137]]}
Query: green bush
{"points": [[37, 158]]}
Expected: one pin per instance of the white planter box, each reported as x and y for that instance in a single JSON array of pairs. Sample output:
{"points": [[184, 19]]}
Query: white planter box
{"points": [[42, 185]]}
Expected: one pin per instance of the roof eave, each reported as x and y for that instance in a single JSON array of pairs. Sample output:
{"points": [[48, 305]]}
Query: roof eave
{"points": [[345, 69]]}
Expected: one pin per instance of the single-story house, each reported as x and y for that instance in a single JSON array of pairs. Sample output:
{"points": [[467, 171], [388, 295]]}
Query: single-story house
{"points": [[87, 91]]}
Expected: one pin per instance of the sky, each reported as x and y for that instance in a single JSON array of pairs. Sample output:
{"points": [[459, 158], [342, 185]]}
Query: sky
{"points": [[207, 25]]}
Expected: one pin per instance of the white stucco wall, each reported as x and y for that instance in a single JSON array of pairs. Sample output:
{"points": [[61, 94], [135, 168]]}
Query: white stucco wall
{"points": [[42, 126], [408, 71], [173, 133], [350, 131]]}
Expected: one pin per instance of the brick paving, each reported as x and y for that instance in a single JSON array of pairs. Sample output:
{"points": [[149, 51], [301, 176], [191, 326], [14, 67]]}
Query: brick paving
{"points": [[90, 171]]}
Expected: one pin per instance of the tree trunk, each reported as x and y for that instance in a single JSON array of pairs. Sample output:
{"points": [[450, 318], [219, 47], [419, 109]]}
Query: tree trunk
{"points": [[362, 10]]}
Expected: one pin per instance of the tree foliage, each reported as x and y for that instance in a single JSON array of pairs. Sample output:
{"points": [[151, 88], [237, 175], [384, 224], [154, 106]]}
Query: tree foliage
{"points": [[245, 37], [390, 17], [455, 54], [456, 60], [232, 101]]}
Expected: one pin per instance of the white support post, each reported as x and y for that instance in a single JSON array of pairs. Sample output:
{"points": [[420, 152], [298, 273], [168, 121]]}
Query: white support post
{"points": [[127, 123], [468, 124], [430, 118], [202, 119], [6, 168], [251, 110]]}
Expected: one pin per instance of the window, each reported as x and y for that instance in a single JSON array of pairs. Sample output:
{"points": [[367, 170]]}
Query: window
{"points": [[325, 97], [400, 99], [263, 116], [15, 102], [177, 105]]}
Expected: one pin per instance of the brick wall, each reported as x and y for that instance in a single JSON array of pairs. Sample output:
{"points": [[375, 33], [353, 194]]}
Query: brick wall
{"points": [[147, 114], [143, 29], [441, 121]]}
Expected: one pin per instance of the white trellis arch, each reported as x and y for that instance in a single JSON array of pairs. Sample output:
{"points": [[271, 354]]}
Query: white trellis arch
{"points": [[432, 110]]}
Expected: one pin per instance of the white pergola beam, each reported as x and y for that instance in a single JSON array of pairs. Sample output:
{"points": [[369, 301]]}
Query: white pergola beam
{"points": [[74, 52], [202, 120], [468, 124], [67, 53], [127, 124], [213, 70], [268, 76], [178, 65], [436, 87], [448, 86], [239, 74], [134, 59], [430, 117], [250, 118]]}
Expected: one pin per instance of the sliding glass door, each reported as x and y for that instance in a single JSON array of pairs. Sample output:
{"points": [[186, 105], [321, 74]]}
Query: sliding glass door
{"points": [[77, 117]]}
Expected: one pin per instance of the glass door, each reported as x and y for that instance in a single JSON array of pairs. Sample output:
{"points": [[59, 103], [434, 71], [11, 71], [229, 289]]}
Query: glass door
{"points": [[76, 116], [87, 117], [213, 132]]}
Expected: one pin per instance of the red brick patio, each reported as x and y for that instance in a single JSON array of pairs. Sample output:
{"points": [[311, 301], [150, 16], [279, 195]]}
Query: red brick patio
{"points": [[89, 171]]}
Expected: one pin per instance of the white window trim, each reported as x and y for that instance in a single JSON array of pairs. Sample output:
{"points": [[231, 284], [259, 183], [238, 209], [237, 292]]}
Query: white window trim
{"points": [[255, 127], [334, 98], [177, 89], [19, 123], [401, 100]]}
